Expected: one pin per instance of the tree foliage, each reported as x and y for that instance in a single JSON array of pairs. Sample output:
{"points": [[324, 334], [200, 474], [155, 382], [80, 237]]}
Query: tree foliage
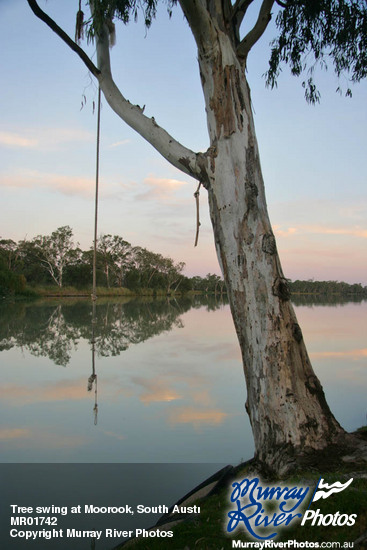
{"points": [[10, 283], [55, 251], [123, 10], [311, 33], [121, 264], [319, 33], [54, 259], [211, 283], [115, 255]]}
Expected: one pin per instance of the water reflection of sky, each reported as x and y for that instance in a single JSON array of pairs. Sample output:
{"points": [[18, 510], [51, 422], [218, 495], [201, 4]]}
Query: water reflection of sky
{"points": [[336, 340], [177, 396]]}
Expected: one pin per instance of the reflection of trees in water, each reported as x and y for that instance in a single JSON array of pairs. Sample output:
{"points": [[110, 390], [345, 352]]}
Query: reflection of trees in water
{"points": [[42, 331], [211, 302], [119, 325], [54, 330], [56, 339]]}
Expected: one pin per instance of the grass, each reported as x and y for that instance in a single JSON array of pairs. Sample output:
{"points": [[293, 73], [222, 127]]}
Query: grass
{"points": [[208, 530]]}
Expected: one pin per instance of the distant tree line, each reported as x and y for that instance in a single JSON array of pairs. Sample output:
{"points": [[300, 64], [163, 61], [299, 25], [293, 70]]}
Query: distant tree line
{"points": [[327, 288], [56, 261]]}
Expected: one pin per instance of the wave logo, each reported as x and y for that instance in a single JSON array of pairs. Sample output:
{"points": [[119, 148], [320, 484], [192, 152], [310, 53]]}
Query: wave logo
{"points": [[324, 490]]}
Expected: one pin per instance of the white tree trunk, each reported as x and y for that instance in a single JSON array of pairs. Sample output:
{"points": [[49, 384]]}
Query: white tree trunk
{"points": [[286, 404]]}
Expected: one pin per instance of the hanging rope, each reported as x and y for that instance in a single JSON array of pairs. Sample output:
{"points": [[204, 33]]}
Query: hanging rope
{"points": [[197, 195], [93, 378], [94, 296]]}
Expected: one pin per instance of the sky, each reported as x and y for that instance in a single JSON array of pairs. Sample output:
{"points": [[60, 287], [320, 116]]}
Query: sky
{"points": [[313, 157]]}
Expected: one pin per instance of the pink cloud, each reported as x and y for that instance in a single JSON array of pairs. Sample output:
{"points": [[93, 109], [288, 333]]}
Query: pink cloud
{"points": [[197, 417], [353, 354], [67, 185], [354, 231], [12, 139], [156, 391], [61, 391], [119, 143], [14, 433], [44, 138], [284, 232], [161, 189], [19, 438]]}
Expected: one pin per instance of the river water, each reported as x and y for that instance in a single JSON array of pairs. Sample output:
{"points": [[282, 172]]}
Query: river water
{"points": [[152, 380]]}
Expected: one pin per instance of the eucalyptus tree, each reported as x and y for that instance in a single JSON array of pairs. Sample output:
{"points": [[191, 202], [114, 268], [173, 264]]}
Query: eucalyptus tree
{"points": [[212, 282], [29, 263], [122, 251], [9, 252], [285, 401], [115, 253], [151, 265], [172, 273], [104, 252], [10, 282], [55, 252]]}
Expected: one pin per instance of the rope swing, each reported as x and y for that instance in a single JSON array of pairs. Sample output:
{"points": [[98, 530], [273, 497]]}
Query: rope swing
{"points": [[94, 296], [93, 378]]}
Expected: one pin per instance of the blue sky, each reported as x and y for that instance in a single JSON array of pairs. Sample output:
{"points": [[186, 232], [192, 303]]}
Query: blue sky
{"points": [[314, 158]]}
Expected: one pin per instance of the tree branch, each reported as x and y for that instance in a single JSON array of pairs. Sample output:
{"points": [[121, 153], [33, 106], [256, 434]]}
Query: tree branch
{"points": [[62, 34], [193, 164], [258, 29], [281, 4], [241, 5], [238, 13]]}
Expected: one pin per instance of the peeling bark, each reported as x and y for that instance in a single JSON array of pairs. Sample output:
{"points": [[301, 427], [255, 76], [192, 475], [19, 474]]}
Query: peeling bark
{"points": [[286, 404]]}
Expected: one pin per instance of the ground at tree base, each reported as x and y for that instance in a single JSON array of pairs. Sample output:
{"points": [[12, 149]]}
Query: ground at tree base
{"points": [[207, 530], [348, 448]]}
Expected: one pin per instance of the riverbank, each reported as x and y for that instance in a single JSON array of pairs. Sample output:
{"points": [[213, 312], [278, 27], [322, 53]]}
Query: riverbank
{"points": [[72, 292], [207, 530]]}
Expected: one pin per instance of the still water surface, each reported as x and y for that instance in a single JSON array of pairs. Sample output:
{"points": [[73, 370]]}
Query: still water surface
{"points": [[169, 380]]}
